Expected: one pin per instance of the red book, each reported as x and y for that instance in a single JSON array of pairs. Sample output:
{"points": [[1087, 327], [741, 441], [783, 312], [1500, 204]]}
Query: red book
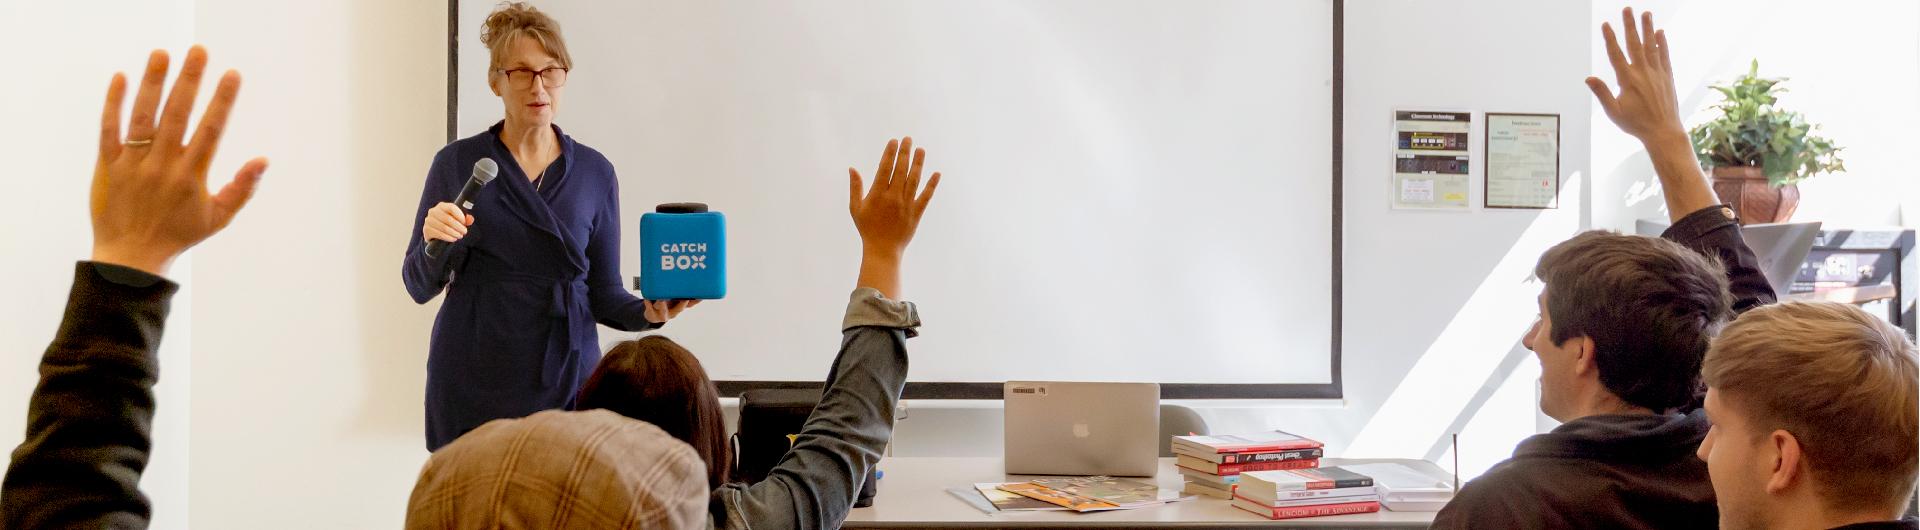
{"points": [[1235, 469], [1296, 512]]}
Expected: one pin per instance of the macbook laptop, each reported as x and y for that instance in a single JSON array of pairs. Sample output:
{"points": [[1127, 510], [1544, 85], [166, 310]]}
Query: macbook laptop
{"points": [[1062, 428], [1781, 248]]}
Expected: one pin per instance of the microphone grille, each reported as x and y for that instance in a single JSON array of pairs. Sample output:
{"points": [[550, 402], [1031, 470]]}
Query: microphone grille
{"points": [[485, 170]]}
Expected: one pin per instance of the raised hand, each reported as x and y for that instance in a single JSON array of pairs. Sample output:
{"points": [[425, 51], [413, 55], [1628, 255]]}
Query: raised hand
{"points": [[888, 213], [1648, 109], [149, 200]]}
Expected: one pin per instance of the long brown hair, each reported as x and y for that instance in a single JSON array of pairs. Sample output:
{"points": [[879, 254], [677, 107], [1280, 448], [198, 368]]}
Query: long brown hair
{"points": [[653, 379]]}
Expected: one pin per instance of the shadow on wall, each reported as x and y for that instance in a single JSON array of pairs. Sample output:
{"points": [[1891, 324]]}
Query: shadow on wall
{"points": [[1480, 346], [1638, 191], [1632, 182], [399, 114]]}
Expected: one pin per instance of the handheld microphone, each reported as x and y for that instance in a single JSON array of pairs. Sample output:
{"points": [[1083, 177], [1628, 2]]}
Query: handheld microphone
{"points": [[483, 172]]}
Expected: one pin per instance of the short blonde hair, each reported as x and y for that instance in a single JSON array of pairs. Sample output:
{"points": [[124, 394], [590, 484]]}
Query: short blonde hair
{"points": [[513, 19], [1843, 382]]}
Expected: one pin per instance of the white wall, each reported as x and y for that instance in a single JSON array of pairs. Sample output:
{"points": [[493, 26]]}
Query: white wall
{"points": [[1468, 373], [1853, 68], [1448, 361], [63, 55], [307, 410]]}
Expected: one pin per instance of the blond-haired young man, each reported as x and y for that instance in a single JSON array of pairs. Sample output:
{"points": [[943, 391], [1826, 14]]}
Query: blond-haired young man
{"points": [[1815, 421]]}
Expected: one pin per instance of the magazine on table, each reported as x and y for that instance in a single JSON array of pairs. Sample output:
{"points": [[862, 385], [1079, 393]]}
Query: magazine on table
{"points": [[1092, 494]]}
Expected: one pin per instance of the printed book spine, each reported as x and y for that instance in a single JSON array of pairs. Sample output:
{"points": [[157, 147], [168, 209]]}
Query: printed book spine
{"points": [[1243, 458], [1235, 469], [1297, 512], [1247, 458]]}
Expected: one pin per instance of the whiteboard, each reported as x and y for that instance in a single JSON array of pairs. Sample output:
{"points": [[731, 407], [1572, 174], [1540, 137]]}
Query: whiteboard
{"points": [[1135, 190]]}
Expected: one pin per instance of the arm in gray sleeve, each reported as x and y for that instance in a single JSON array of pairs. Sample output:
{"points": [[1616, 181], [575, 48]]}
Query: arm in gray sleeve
{"points": [[814, 486]]}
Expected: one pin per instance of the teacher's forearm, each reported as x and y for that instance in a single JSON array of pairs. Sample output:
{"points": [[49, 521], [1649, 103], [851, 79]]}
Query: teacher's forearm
{"points": [[616, 308]]}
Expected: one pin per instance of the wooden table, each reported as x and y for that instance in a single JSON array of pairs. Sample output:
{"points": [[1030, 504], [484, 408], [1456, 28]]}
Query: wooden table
{"points": [[913, 494]]}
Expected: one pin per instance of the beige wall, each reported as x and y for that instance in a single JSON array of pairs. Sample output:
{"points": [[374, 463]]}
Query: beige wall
{"points": [[311, 358], [305, 411], [61, 55]]}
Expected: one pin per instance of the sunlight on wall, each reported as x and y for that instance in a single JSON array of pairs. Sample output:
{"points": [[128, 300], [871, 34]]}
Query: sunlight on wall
{"points": [[1853, 68], [1427, 404]]}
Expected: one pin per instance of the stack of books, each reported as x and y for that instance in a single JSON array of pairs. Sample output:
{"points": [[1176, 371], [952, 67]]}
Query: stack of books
{"points": [[1299, 493], [1214, 464]]}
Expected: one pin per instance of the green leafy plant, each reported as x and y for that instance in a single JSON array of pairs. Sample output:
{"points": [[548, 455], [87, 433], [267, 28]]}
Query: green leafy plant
{"points": [[1751, 131]]}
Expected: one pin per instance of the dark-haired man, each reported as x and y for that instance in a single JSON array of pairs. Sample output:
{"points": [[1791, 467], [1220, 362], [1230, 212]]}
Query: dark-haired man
{"points": [[1624, 324]]}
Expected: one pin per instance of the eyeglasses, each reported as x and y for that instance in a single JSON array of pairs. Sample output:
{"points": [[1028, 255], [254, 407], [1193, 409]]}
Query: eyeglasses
{"points": [[522, 78]]}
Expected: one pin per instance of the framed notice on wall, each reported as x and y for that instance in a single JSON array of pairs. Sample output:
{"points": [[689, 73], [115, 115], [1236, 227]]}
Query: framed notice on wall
{"points": [[1523, 160], [1430, 160]]}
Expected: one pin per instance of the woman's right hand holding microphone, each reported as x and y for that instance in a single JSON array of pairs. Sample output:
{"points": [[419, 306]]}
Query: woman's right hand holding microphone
{"points": [[445, 222]]}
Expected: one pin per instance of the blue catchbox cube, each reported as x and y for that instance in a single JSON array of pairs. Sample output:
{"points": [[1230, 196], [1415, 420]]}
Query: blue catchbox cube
{"points": [[683, 253]]}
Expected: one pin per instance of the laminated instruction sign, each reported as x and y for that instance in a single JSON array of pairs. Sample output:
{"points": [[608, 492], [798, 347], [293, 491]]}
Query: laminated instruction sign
{"points": [[1430, 160], [1523, 160]]}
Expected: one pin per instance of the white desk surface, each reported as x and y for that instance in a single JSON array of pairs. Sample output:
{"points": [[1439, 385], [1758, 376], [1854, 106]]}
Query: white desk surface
{"points": [[913, 494]]}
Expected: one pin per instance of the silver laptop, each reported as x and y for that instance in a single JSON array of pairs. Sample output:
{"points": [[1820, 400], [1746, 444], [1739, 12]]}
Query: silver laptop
{"points": [[1781, 248], [1062, 428]]}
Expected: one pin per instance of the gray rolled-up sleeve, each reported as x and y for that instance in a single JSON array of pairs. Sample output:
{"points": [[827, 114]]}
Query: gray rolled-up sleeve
{"points": [[867, 307], [816, 483]]}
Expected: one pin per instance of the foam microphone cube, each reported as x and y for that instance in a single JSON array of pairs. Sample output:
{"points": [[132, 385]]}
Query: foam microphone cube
{"points": [[683, 253]]}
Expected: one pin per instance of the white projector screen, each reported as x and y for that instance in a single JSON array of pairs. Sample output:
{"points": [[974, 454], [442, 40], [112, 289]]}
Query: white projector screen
{"points": [[1134, 190]]}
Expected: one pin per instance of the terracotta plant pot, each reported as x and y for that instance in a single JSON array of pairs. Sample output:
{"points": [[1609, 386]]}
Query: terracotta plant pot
{"points": [[1745, 189]]}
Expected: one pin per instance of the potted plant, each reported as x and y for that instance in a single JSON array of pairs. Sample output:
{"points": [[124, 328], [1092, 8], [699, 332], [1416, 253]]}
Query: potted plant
{"points": [[1759, 152]]}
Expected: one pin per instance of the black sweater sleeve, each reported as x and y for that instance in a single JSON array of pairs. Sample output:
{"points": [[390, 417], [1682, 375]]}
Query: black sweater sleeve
{"points": [[90, 418], [1713, 231]]}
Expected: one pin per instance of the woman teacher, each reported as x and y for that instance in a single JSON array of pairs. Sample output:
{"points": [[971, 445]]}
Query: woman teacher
{"points": [[534, 263]]}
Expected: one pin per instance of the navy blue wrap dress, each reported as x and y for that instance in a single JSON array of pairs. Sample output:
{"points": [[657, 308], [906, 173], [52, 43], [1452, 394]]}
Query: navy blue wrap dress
{"points": [[536, 270]]}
